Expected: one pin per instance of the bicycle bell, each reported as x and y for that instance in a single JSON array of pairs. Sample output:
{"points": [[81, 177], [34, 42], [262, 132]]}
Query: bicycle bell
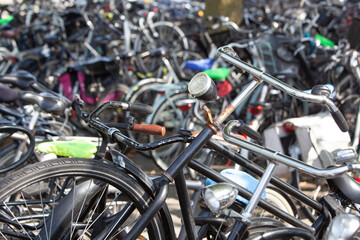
{"points": [[202, 87]]}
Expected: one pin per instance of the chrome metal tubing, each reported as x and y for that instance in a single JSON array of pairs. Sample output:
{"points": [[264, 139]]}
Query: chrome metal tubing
{"points": [[282, 158], [254, 200], [229, 55], [237, 101]]}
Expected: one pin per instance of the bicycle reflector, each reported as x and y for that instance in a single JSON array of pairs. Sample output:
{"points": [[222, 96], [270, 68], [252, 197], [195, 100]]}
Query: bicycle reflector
{"points": [[202, 87], [184, 104], [288, 127], [219, 196], [255, 109]]}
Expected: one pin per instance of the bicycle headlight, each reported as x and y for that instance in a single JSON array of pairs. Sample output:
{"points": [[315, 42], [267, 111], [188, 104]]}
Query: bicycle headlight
{"points": [[343, 226], [219, 196], [203, 87]]}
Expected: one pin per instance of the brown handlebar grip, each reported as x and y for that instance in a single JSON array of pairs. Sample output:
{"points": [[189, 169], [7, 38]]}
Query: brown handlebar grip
{"points": [[149, 129]]}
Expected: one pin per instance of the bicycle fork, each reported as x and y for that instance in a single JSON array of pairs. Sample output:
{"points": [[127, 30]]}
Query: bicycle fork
{"points": [[61, 218]]}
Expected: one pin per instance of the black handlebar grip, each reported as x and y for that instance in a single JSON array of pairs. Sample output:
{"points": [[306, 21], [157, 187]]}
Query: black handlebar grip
{"points": [[140, 108], [340, 120], [248, 131]]}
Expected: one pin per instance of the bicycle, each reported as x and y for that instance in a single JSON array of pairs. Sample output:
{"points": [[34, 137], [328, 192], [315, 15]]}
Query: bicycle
{"points": [[148, 196]]}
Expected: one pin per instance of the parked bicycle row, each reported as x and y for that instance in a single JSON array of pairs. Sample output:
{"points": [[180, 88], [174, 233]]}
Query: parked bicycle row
{"points": [[274, 102]]}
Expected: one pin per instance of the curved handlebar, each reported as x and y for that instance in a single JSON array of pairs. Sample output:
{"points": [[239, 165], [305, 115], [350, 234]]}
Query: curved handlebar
{"points": [[135, 107], [229, 55], [282, 158], [115, 134]]}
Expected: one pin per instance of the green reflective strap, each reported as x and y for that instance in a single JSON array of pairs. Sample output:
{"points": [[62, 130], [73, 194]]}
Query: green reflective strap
{"points": [[324, 41], [74, 148], [218, 73], [6, 20]]}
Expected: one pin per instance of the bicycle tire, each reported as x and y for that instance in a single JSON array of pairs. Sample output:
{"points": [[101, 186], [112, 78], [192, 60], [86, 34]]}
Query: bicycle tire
{"points": [[9, 148], [263, 224], [115, 188], [283, 233], [274, 196], [175, 42], [280, 201], [57, 126]]}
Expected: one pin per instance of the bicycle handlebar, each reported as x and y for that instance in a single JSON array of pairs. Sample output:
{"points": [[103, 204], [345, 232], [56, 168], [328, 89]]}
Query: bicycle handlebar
{"points": [[110, 128], [134, 107], [282, 158], [140, 108], [229, 55]]}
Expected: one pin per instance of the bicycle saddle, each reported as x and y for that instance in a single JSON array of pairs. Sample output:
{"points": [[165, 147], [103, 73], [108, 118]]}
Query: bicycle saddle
{"points": [[46, 101], [199, 65], [21, 79], [218, 73], [348, 186], [7, 94], [98, 66]]}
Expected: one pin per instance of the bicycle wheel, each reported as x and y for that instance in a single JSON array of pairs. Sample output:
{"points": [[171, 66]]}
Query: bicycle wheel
{"points": [[73, 199], [58, 126], [173, 118], [280, 201], [16, 148], [164, 35]]}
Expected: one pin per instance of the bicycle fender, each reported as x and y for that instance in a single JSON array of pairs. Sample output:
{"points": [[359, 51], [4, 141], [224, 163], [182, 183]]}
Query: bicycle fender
{"points": [[130, 167]]}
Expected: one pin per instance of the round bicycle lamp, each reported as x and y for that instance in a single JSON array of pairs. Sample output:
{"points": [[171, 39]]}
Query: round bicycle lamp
{"points": [[219, 196], [202, 87]]}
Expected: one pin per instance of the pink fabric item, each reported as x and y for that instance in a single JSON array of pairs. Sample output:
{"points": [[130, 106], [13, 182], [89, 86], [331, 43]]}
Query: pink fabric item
{"points": [[114, 96], [81, 79], [65, 82]]}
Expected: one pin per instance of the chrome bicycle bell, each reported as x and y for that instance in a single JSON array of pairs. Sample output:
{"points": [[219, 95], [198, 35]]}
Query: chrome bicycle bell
{"points": [[202, 87]]}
